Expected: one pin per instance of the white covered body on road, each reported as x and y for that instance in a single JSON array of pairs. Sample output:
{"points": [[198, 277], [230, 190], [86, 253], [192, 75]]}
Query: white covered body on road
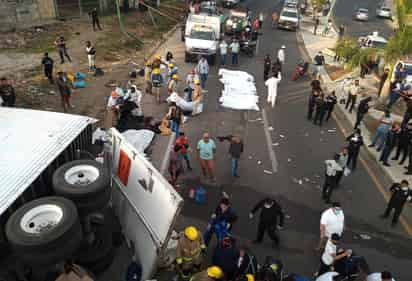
{"points": [[239, 90]]}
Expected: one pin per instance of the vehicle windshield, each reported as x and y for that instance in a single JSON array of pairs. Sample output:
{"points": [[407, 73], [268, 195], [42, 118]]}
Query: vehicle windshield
{"points": [[408, 68], [378, 44], [363, 11], [202, 34], [289, 14], [385, 9]]}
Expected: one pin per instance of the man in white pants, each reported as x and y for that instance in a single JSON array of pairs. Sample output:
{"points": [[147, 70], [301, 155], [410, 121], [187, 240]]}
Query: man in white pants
{"points": [[272, 84], [91, 55]]}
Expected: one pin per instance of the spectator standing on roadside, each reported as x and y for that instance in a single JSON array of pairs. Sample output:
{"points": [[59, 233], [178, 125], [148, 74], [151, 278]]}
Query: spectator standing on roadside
{"points": [[319, 60], [327, 28], [48, 63], [315, 25], [355, 141], [390, 142], [60, 43], [91, 55], [332, 221], [175, 115], [382, 80], [206, 151], [402, 145], [281, 54], [95, 19], [401, 193], [223, 51], [385, 124], [330, 100], [363, 108], [203, 71], [235, 151], [63, 84], [408, 112], [183, 142], [234, 49], [354, 92], [7, 93]]}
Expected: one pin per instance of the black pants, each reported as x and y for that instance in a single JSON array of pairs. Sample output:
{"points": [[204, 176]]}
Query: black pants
{"points": [[266, 73], [410, 159], [319, 115], [402, 148], [63, 53], [311, 108], [359, 117], [95, 22], [350, 103], [338, 178], [397, 206], [328, 186], [406, 117], [329, 111], [353, 158], [271, 231], [48, 72], [323, 268]]}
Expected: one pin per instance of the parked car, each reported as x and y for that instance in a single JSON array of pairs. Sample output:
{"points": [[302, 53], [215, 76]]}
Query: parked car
{"points": [[372, 41], [384, 12], [362, 14], [288, 19], [292, 4]]}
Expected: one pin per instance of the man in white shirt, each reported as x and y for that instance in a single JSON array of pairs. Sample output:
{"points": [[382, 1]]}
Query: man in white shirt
{"points": [[281, 54], [223, 52], [330, 255], [328, 276], [380, 276], [234, 49], [272, 84], [332, 220], [203, 70], [332, 167]]}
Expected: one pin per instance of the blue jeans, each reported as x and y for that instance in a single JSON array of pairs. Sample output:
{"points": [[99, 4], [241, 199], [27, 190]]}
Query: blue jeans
{"points": [[203, 78], [235, 164], [381, 133], [235, 58], [189, 94], [222, 59], [393, 97], [175, 127]]}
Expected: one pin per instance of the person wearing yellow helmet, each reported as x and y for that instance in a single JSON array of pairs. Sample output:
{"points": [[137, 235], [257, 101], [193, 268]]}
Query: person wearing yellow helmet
{"points": [[189, 251], [157, 81], [212, 273], [171, 70], [172, 85]]}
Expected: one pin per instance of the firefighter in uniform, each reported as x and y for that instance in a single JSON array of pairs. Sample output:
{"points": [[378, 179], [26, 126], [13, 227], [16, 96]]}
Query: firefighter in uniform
{"points": [[401, 192], [212, 273], [189, 252]]}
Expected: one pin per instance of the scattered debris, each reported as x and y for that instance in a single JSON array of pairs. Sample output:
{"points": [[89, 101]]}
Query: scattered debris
{"points": [[365, 236], [306, 179], [268, 172], [318, 187], [51, 92], [256, 120], [259, 162], [281, 136], [295, 180], [332, 130], [289, 160], [270, 128], [275, 144]]}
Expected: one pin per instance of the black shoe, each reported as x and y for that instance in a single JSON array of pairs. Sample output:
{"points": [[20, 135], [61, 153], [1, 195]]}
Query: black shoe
{"points": [[189, 168], [371, 145], [401, 163], [408, 173], [394, 158], [386, 164]]}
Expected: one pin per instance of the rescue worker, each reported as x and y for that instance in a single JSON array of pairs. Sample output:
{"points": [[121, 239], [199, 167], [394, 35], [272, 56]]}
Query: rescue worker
{"points": [[171, 70], [212, 273], [197, 98], [267, 63], [189, 252], [271, 218], [157, 81], [172, 85], [401, 192]]}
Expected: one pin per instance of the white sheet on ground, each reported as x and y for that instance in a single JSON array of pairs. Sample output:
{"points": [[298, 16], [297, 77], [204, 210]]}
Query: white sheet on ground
{"points": [[239, 90], [140, 139]]}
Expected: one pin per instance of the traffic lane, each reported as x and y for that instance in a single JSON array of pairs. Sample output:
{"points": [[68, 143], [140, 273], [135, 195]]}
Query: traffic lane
{"points": [[343, 14]]}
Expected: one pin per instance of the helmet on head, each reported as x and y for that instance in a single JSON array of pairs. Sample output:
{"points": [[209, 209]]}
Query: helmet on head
{"points": [[214, 272], [156, 71], [158, 57], [175, 77], [148, 63], [197, 81], [171, 65], [250, 277], [191, 233]]}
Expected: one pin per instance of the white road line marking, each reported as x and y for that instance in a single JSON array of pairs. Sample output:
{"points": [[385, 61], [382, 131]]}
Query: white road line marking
{"points": [[272, 154]]}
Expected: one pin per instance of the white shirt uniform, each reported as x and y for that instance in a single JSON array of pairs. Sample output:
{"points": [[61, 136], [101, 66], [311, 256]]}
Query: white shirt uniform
{"points": [[281, 55], [327, 276], [375, 277], [333, 222], [332, 167], [272, 84], [223, 48], [329, 252]]}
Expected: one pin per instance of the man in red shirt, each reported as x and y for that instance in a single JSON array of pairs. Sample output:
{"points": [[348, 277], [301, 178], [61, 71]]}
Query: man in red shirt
{"points": [[183, 142]]}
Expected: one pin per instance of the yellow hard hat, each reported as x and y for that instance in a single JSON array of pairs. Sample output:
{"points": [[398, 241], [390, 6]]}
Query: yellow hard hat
{"points": [[171, 65], [250, 277], [214, 272], [148, 63], [191, 233], [156, 71], [174, 76], [158, 57], [197, 81]]}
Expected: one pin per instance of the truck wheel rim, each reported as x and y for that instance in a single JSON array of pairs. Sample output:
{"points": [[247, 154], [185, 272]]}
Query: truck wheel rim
{"points": [[41, 219], [81, 175]]}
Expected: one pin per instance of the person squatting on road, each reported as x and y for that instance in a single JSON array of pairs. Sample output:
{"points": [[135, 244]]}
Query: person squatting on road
{"points": [[60, 43], [400, 194], [332, 168], [235, 151], [190, 248], [48, 63], [271, 218], [272, 84], [332, 221], [330, 255], [206, 151], [221, 221]]}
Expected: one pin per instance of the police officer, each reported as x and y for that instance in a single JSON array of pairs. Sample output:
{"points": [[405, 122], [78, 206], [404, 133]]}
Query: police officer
{"points": [[267, 64], [271, 218], [401, 192]]}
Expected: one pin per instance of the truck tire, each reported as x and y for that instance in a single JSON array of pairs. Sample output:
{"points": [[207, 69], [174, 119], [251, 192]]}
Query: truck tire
{"points": [[212, 59], [187, 57], [98, 255], [85, 182], [44, 231]]}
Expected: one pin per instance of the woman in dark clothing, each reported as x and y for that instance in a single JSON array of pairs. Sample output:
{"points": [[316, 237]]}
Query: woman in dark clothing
{"points": [[277, 67], [363, 108], [355, 141], [320, 110], [267, 63], [316, 92]]}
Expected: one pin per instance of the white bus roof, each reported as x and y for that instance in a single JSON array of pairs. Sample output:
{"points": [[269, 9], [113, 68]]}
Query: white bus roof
{"points": [[30, 140]]}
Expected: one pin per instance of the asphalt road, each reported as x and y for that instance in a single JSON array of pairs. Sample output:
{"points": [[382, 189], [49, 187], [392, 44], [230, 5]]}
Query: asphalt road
{"points": [[345, 9], [296, 185]]}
